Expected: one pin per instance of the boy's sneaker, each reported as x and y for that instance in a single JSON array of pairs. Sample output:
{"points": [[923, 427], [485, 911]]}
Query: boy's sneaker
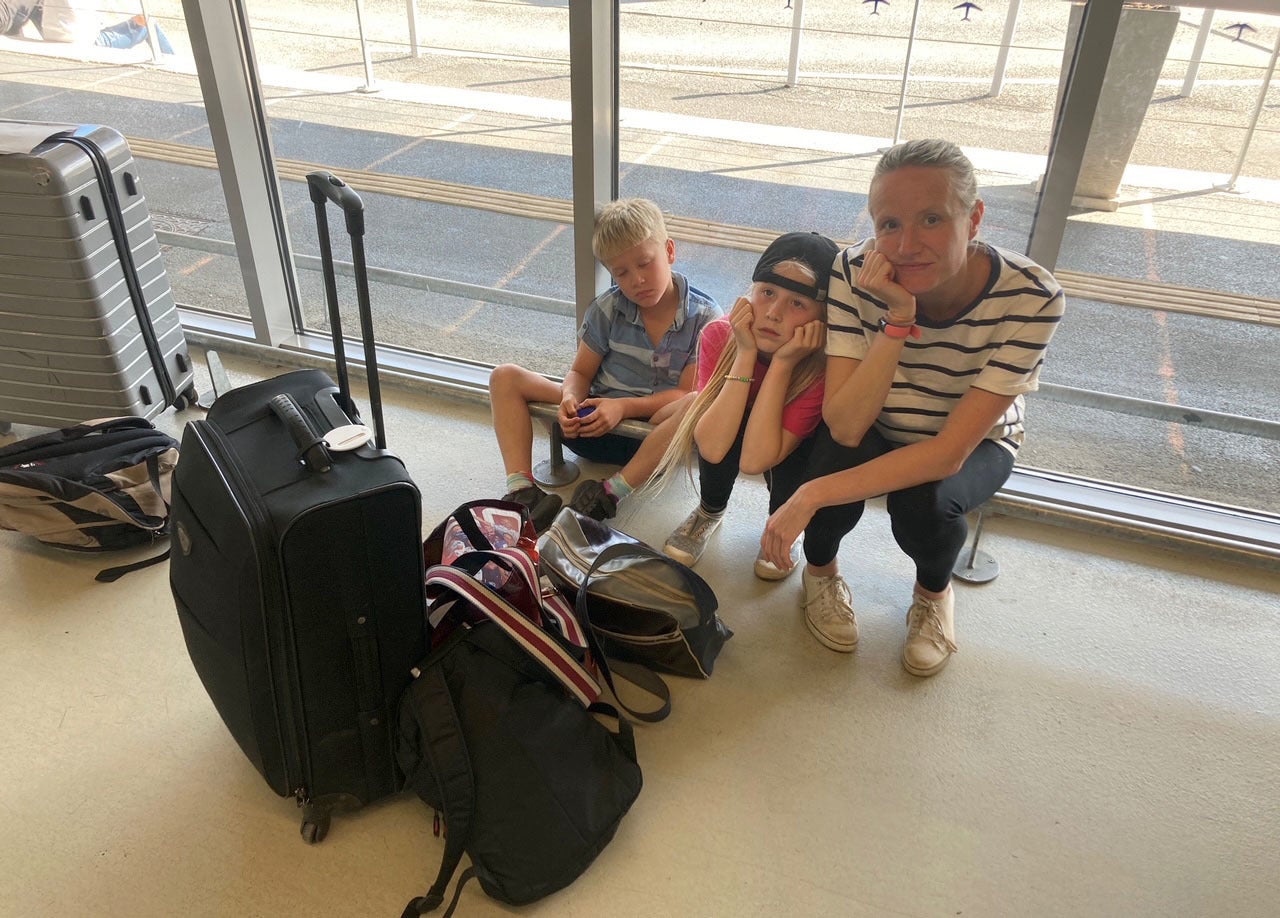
{"points": [[767, 570], [689, 541], [931, 634], [828, 611], [591, 499], [542, 506]]}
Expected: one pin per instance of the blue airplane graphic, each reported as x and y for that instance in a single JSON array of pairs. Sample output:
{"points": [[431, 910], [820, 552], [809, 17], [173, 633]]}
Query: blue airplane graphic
{"points": [[1241, 28], [968, 8], [875, 9]]}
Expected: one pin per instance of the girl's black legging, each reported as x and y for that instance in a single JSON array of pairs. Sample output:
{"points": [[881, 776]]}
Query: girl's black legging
{"points": [[716, 479], [927, 519]]}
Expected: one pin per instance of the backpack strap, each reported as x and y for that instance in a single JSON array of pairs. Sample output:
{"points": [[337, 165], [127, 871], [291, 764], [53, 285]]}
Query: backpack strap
{"points": [[451, 766], [112, 574], [54, 442]]}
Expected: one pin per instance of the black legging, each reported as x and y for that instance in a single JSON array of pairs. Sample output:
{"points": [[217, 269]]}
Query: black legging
{"points": [[927, 519], [716, 479]]}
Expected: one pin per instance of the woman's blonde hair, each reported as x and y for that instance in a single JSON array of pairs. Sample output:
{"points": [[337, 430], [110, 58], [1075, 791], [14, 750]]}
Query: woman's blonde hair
{"points": [[937, 154], [682, 446]]}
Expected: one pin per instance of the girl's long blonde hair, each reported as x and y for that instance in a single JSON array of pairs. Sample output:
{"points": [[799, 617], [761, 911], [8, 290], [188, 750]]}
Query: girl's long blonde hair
{"points": [[682, 448]]}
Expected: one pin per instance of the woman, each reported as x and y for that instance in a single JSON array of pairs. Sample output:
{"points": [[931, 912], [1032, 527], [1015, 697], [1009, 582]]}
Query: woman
{"points": [[933, 338], [759, 391]]}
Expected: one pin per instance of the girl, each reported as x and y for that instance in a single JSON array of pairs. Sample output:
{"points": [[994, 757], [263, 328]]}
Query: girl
{"points": [[759, 390], [933, 338]]}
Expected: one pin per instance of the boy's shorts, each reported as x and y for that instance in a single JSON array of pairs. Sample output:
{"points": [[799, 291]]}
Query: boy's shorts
{"points": [[611, 449]]}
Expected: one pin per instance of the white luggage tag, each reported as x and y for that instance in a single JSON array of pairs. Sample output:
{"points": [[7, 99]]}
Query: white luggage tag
{"points": [[348, 437]]}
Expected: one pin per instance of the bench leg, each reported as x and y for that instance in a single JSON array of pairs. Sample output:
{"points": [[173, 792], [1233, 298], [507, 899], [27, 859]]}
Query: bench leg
{"points": [[555, 472], [974, 566]]}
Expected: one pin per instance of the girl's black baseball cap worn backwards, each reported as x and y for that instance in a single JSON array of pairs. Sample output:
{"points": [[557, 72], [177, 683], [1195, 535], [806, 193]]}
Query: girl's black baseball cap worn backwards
{"points": [[811, 249]]}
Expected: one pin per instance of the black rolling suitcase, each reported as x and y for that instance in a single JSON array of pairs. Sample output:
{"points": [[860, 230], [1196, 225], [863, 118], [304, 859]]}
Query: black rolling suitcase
{"points": [[297, 568], [88, 325]]}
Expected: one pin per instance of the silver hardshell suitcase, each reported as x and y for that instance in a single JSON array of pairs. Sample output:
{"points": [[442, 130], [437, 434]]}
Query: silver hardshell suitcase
{"points": [[88, 325]]}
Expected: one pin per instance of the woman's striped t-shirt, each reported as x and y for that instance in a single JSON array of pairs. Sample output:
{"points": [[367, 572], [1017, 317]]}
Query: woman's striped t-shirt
{"points": [[997, 344]]}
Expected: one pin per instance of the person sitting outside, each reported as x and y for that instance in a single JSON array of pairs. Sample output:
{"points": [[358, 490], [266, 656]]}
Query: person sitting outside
{"points": [[73, 21]]}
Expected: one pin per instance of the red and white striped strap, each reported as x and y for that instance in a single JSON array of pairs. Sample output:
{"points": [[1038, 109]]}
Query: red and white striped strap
{"points": [[554, 605], [536, 642]]}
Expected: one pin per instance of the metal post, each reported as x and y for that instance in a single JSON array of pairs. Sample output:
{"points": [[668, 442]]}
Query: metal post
{"points": [[906, 73], [978, 567], [1257, 113], [1193, 67], [364, 50], [412, 11], [593, 103], [1071, 127], [797, 27], [152, 42], [1002, 60]]}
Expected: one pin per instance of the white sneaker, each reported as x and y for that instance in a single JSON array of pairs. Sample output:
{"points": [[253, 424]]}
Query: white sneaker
{"points": [[828, 611], [689, 541], [767, 570], [931, 634]]}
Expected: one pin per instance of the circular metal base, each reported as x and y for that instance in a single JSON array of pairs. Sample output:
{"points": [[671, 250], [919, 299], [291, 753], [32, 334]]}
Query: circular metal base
{"points": [[976, 567], [555, 476]]}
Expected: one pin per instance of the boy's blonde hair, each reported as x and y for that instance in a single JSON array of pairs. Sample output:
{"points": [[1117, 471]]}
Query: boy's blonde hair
{"points": [[625, 223]]}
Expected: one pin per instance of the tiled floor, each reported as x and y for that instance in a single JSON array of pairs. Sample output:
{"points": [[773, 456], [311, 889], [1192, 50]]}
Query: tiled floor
{"points": [[1106, 743]]}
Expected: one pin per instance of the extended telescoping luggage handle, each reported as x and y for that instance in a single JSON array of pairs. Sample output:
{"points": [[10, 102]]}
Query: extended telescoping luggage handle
{"points": [[325, 187]]}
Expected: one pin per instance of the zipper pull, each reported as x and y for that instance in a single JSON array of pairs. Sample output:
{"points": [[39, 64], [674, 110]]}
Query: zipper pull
{"points": [[435, 824]]}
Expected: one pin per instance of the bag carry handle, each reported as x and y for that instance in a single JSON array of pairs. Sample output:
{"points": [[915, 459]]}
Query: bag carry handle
{"points": [[67, 435], [312, 449], [325, 187]]}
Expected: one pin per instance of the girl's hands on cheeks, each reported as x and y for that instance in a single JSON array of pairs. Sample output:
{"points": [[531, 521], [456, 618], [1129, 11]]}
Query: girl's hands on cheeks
{"points": [[876, 276], [741, 319], [808, 339]]}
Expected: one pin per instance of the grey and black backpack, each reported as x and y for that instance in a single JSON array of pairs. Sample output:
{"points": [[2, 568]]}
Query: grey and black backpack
{"points": [[97, 486]]}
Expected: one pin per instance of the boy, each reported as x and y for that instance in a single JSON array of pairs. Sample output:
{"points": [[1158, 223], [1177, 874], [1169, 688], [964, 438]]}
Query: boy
{"points": [[635, 359]]}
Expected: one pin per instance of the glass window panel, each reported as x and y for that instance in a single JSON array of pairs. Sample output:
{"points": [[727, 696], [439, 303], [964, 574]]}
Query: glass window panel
{"points": [[711, 132], [465, 174], [156, 106]]}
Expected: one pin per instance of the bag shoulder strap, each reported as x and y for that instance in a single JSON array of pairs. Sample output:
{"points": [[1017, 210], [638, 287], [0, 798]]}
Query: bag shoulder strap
{"points": [[536, 642], [446, 750]]}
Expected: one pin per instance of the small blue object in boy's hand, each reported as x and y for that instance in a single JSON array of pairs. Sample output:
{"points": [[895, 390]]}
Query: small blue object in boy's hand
{"points": [[583, 412]]}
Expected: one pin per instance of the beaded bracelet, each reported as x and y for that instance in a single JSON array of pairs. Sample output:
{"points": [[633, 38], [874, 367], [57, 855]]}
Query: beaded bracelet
{"points": [[746, 379]]}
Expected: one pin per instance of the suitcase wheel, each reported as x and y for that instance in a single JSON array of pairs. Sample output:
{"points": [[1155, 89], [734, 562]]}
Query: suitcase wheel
{"points": [[187, 398], [315, 823]]}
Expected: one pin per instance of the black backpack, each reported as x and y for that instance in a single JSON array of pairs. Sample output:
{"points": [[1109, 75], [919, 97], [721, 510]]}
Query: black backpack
{"points": [[97, 486], [530, 784]]}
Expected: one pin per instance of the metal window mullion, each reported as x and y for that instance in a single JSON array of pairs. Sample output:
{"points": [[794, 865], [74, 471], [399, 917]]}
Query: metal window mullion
{"points": [[1071, 128], [593, 91], [225, 64]]}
